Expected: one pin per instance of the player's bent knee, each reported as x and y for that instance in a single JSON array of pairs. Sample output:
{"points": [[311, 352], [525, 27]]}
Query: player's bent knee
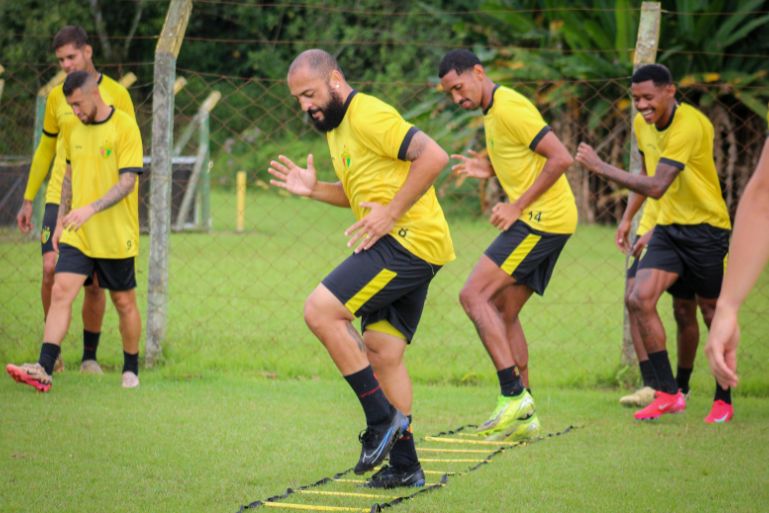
{"points": [[636, 303], [468, 299], [125, 302]]}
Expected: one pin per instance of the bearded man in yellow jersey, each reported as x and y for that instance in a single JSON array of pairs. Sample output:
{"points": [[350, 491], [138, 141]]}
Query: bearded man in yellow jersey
{"points": [[691, 236], [529, 161], [97, 228], [385, 168], [748, 255], [74, 53]]}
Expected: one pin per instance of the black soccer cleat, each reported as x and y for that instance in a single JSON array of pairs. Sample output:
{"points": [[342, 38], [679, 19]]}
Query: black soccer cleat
{"points": [[392, 477], [378, 440]]}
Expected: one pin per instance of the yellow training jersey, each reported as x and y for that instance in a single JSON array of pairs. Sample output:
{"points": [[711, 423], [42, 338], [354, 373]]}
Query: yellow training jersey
{"points": [[98, 153], [58, 117], [368, 153], [514, 127], [695, 195], [649, 215]]}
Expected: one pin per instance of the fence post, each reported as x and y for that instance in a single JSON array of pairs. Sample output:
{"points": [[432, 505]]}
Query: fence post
{"points": [[128, 79], [42, 95], [200, 169], [166, 52], [240, 209], [2, 82], [204, 139], [645, 53]]}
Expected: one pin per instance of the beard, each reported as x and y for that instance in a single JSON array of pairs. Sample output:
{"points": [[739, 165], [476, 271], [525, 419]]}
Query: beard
{"points": [[333, 114], [90, 117]]}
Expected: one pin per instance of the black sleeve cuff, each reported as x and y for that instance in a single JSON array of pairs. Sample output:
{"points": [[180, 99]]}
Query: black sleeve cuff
{"points": [[67, 160], [406, 141], [137, 170], [49, 134], [542, 133], [673, 163]]}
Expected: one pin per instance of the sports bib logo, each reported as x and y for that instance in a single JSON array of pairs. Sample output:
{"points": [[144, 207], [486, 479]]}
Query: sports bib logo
{"points": [[45, 234], [105, 151], [346, 158]]}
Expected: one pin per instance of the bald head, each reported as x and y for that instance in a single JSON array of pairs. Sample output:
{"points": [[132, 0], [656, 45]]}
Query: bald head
{"points": [[317, 61]]}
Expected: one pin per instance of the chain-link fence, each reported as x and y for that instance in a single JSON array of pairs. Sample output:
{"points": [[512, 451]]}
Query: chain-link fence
{"points": [[236, 298]]}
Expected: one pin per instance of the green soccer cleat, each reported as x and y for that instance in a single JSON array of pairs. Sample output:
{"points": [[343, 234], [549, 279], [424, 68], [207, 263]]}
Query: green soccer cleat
{"points": [[509, 410], [519, 431]]}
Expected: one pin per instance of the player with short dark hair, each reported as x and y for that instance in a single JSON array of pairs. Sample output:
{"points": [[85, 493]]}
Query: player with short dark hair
{"points": [[97, 228], [529, 161], [684, 304], [691, 236], [74, 53], [748, 255], [386, 168]]}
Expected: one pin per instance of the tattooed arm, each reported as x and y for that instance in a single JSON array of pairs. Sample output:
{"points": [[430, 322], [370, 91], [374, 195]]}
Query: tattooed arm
{"points": [[65, 205], [75, 219]]}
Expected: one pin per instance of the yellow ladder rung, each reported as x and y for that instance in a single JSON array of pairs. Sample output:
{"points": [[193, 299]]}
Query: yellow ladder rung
{"points": [[343, 480], [457, 460], [465, 451], [349, 494], [438, 472], [471, 442], [311, 507]]}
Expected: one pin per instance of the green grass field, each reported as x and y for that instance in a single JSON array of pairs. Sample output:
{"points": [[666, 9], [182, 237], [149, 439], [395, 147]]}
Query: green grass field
{"points": [[246, 403], [216, 443]]}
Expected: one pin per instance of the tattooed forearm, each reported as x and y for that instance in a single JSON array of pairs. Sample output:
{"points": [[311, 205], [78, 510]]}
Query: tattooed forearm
{"points": [[356, 337], [65, 204], [416, 146], [119, 191]]}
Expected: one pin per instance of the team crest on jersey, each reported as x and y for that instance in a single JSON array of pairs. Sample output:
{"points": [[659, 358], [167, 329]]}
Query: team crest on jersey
{"points": [[45, 234], [346, 158], [105, 151]]}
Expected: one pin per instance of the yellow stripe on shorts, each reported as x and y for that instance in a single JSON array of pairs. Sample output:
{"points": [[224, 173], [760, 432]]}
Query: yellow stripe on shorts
{"points": [[386, 327], [516, 257], [368, 291]]}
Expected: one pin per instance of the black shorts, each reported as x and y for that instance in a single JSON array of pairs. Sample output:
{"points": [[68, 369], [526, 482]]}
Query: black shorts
{"points": [[696, 253], [113, 273], [679, 289], [526, 254], [48, 227], [384, 283]]}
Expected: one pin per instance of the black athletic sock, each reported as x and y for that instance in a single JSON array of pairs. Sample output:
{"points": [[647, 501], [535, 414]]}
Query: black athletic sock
{"points": [[48, 354], [724, 394], [510, 383], [90, 344], [682, 378], [375, 405], [663, 371], [131, 363], [404, 453], [647, 374]]}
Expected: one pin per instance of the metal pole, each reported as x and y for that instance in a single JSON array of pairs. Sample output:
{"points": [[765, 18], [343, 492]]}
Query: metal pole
{"points": [[645, 53], [166, 52], [240, 212]]}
